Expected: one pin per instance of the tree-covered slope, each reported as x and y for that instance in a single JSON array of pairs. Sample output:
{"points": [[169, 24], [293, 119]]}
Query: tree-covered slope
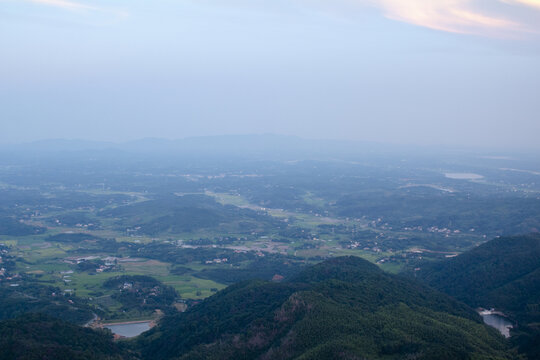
{"points": [[39, 337], [12, 227], [35, 298], [342, 308], [503, 273], [187, 213]]}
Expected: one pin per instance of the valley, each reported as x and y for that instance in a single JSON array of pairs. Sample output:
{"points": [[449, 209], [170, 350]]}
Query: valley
{"points": [[142, 241]]}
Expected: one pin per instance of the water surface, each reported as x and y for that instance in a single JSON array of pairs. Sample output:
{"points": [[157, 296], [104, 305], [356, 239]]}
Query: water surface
{"points": [[498, 322], [463, 176], [129, 330]]}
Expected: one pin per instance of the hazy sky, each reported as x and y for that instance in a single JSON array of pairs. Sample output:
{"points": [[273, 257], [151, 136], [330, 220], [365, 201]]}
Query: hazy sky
{"points": [[459, 72]]}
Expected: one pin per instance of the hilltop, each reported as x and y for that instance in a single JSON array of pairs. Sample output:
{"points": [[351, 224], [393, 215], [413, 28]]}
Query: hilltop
{"points": [[342, 308]]}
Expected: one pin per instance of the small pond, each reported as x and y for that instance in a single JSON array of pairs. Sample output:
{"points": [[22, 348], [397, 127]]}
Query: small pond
{"points": [[498, 322], [130, 329]]}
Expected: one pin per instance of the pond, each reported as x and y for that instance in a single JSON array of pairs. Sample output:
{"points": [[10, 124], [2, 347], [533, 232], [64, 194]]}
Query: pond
{"points": [[129, 329], [498, 322], [463, 176]]}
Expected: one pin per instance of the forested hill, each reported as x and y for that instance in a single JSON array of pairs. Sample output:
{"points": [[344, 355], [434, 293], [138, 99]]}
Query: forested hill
{"points": [[503, 273], [40, 337], [342, 308]]}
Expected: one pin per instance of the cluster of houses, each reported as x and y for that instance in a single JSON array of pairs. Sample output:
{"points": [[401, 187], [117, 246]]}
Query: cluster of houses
{"points": [[356, 245], [129, 287], [86, 226], [109, 262], [5, 275], [3, 271], [216, 261], [435, 229]]}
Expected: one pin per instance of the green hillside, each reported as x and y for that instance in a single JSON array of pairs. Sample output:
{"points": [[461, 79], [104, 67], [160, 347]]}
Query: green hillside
{"points": [[342, 308], [503, 273], [34, 298], [40, 337], [187, 213]]}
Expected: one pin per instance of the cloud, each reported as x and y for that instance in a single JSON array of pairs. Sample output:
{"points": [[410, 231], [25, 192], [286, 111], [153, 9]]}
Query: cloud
{"points": [[533, 3], [498, 18], [64, 4], [83, 9]]}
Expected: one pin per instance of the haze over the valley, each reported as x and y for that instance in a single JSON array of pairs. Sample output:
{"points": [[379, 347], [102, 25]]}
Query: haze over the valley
{"points": [[269, 179], [460, 73]]}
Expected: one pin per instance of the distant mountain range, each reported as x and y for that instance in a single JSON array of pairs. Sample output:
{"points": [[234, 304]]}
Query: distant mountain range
{"points": [[249, 146]]}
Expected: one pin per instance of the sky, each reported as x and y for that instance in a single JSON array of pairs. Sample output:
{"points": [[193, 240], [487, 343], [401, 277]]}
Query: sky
{"points": [[445, 72]]}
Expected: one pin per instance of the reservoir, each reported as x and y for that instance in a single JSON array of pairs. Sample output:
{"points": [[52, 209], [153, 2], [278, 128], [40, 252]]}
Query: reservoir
{"points": [[130, 329], [498, 322], [463, 176]]}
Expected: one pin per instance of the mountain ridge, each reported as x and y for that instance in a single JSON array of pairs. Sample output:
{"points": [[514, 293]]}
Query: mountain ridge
{"points": [[341, 308]]}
